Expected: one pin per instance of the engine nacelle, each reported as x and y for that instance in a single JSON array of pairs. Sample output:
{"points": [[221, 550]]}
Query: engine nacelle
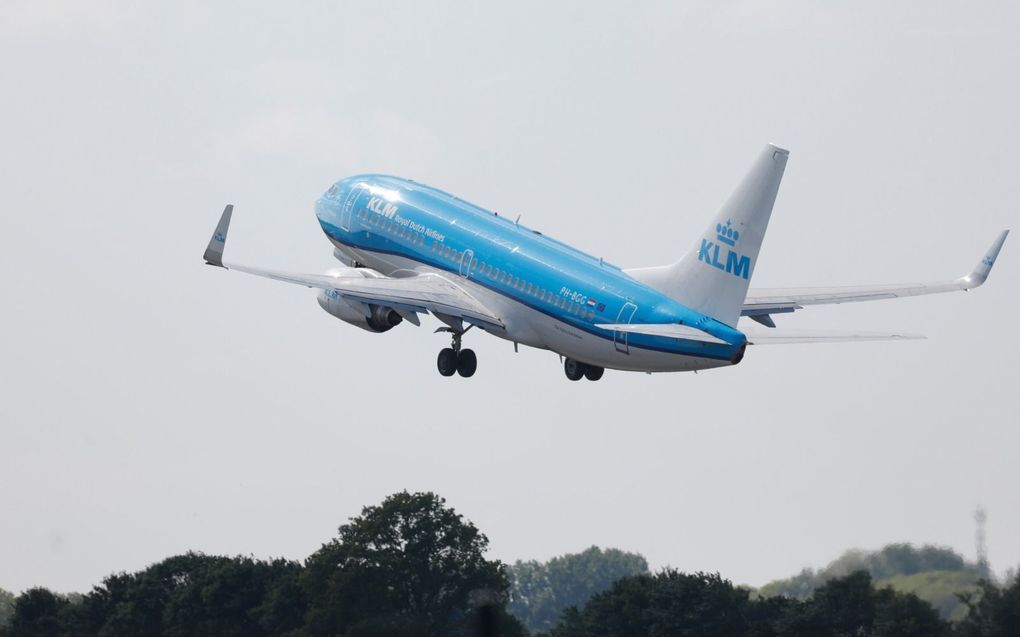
{"points": [[378, 319]]}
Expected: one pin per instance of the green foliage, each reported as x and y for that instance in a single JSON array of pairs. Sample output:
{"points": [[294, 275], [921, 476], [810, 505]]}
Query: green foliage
{"points": [[934, 574], [992, 611], [406, 567], [851, 605], [941, 589], [672, 603], [39, 612], [669, 603], [191, 594], [410, 566], [6, 607], [542, 591]]}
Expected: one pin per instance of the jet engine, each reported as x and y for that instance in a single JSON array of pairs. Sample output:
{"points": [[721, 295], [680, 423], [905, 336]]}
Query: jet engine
{"points": [[370, 317]]}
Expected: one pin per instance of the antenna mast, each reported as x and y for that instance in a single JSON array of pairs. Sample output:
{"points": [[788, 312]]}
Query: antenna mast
{"points": [[981, 518]]}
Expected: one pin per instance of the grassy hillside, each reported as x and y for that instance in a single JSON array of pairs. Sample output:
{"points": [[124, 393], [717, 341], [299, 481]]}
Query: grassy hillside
{"points": [[935, 574], [938, 588]]}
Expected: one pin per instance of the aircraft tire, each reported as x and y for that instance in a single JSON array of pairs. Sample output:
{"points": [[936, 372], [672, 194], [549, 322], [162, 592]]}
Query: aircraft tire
{"points": [[447, 361], [591, 372], [467, 363], [573, 369]]}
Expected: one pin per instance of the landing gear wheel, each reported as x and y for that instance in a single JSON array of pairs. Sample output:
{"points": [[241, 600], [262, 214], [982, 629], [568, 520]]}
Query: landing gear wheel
{"points": [[593, 373], [467, 363], [447, 361], [573, 369]]}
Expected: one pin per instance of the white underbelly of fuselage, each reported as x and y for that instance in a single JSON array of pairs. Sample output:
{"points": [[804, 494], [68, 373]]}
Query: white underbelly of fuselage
{"points": [[528, 326]]}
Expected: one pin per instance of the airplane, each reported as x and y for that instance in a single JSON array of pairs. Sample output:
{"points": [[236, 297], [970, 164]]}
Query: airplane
{"points": [[408, 250]]}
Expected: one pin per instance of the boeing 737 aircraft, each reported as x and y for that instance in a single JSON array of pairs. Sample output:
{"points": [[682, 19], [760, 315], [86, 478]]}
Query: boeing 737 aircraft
{"points": [[409, 249]]}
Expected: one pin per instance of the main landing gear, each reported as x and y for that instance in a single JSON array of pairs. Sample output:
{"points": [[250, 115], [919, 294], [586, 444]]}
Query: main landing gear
{"points": [[576, 369], [454, 360]]}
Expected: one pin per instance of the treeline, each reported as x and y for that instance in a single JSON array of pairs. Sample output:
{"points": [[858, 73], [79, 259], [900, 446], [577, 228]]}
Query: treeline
{"points": [[937, 575], [673, 603], [412, 566], [541, 591]]}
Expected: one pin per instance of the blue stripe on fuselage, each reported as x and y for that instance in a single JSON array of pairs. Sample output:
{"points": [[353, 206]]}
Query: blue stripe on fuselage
{"points": [[408, 219]]}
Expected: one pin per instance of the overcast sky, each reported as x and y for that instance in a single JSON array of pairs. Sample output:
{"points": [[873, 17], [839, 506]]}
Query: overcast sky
{"points": [[153, 405]]}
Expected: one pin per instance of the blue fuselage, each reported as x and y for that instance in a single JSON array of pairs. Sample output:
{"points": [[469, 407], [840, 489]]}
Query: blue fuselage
{"points": [[392, 216]]}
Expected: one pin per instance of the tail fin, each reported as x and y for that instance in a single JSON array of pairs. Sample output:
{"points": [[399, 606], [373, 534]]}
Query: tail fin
{"points": [[714, 276]]}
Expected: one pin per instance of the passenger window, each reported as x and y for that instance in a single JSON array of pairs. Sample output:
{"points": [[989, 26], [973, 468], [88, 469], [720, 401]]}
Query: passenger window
{"points": [[530, 288], [474, 263]]}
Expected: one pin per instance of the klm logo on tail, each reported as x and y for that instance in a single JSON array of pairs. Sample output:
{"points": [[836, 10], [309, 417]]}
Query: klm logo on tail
{"points": [[735, 263]]}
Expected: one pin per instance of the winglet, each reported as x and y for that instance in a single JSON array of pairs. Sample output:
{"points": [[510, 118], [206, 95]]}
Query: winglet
{"points": [[214, 253], [984, 267]]}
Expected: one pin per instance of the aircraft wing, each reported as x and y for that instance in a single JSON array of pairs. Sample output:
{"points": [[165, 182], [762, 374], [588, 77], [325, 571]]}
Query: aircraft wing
{"points": [[761, 303], [417, 293]]}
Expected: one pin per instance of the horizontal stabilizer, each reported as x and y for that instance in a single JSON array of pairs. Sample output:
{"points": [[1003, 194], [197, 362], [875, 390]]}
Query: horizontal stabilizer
{"points": [[788, 337], [669, 330]]}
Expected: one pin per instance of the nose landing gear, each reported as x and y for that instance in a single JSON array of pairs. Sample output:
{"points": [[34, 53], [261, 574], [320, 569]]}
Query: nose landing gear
{"points": [[454, 359], [576, 369]]}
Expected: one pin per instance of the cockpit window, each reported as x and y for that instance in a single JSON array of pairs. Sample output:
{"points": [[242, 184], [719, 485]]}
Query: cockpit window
{"points": [[332, 191]]}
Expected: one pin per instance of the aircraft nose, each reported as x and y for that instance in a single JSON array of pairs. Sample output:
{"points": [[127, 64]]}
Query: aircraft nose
{"points": [[329, 200]]}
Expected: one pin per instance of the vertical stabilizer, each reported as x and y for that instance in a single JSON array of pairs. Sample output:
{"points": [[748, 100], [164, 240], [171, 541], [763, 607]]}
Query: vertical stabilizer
{"points": [[713, 277]]}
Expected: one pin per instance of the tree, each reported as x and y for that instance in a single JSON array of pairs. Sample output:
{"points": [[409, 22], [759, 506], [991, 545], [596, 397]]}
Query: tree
{"points": [[542, 591], [39, 612], [6, 607], [668, 603], [935, 574], [992, 612], [672, 603], [406, 567], [852, 606], [191, 594]]}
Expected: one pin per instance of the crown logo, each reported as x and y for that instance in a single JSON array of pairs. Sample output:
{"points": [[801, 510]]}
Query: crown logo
{"points": [[727, 234]]}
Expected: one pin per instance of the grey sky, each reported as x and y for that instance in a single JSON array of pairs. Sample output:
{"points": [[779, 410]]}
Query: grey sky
{"points": [[153, 405]]}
